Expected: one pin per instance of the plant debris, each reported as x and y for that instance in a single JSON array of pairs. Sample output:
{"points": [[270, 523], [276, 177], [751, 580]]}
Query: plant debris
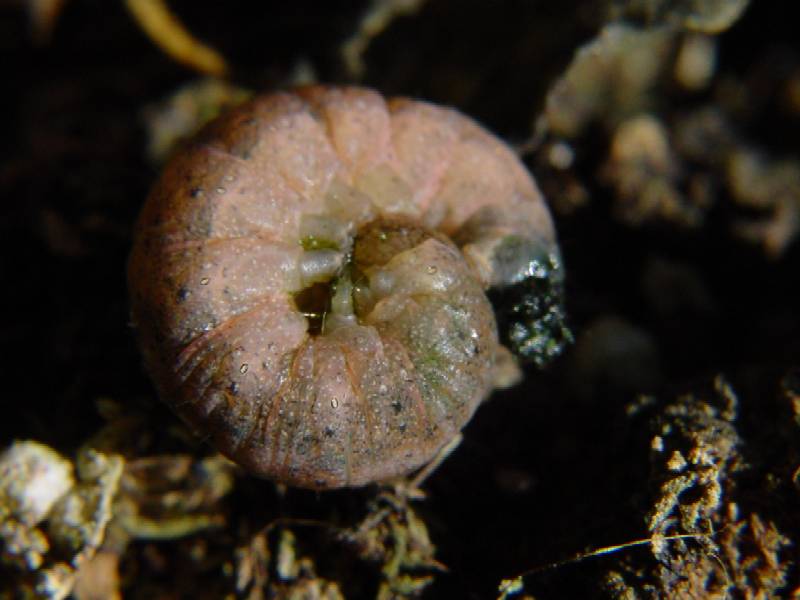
{"points": [[731, 550]]}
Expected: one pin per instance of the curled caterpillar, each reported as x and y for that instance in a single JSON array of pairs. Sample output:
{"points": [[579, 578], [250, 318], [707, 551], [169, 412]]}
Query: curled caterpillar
{"points": [[308, 281]]}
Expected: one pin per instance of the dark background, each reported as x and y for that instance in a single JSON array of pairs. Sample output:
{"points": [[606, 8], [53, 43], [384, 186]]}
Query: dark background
{"points": [[542, 473]]}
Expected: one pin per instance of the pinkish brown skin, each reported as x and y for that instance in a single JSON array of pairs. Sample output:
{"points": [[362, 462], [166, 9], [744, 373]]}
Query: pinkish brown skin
{"points": [[404, 360]]}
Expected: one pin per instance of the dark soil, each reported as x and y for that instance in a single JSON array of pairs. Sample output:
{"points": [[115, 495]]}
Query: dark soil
{"points": [[543, 472]]}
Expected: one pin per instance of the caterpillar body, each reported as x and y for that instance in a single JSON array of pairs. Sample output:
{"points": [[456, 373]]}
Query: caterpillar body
{"points": [[308, 281]]}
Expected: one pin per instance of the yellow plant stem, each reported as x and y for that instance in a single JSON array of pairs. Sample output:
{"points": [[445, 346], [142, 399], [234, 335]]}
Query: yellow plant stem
{"points": [[164, 28]]}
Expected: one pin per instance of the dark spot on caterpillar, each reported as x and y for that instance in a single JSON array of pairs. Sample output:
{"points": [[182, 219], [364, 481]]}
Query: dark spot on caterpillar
{"points": [[307, 441], [315, 302]]}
